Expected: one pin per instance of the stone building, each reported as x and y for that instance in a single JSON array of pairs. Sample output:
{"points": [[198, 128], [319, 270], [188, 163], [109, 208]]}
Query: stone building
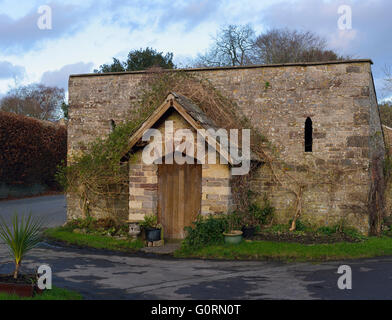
{"points": [[322, 119]]}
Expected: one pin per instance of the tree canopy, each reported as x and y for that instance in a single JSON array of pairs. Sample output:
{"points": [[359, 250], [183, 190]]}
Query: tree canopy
{"points": [[141, 59], [386, 113], [34, 100], [233, 46], [237, 45]]}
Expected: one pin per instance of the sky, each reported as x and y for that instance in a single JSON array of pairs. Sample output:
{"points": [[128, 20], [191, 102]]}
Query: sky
{"points": [[86, 34]]}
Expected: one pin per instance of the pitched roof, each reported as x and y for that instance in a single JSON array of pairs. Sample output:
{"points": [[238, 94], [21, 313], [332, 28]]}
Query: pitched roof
{"points": [[193, 115]]}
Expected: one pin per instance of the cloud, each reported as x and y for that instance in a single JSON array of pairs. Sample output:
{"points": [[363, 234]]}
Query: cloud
{"points": [[368, 38], [8, 71], [190, 13], [59, 78], [23, 34]]}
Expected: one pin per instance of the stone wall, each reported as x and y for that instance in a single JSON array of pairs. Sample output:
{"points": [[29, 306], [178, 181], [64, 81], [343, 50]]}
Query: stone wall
{"points": [[216, 189], [143, 190], [338, 97], [143, 179]]}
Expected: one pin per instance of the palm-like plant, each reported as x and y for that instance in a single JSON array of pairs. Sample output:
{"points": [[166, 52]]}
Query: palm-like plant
{"points": [[24, 235]]}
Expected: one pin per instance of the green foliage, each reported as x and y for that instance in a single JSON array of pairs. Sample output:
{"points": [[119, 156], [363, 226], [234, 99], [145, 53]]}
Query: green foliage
{"points": [[300, 226], [340, 228], [267, 85], [93, 240], [277, 228], [327, 230], [260, 250], [105, 226], [262, 214], [206, 231], [139, 60], [386, 113], [24, 235], [150, 222], [65, 109], [234, 221], [95, 171], [387, 165]]}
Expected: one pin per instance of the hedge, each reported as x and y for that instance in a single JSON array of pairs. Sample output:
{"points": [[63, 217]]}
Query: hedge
{"points": [[30, 150]]}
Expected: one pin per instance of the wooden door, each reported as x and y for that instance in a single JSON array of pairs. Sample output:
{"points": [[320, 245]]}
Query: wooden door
{"points": [[179, 192]]}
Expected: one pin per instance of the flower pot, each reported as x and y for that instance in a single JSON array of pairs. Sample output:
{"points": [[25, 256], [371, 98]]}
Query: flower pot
{"points": [[153, 234], [248, 232], [23, 287], [233, 237]]}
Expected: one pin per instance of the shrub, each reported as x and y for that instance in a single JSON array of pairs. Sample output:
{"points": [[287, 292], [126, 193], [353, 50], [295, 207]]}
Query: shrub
{"points": [[150, 222], [30, 150], [206, 231], [327, 230], [300, 226], [103, 226], [261, 214]]}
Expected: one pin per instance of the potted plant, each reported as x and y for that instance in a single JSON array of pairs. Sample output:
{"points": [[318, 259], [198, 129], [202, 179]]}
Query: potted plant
{"points": [[232, 235], [249, 222], [23, 235], [151, 227], [248, 231]]}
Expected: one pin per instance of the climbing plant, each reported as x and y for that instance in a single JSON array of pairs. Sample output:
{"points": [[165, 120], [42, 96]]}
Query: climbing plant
{"points": [[100, 171]]}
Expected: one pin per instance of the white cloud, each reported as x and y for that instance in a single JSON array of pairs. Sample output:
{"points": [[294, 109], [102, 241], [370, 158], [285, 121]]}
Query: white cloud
{"points": [[59, 78], [10, 71]]}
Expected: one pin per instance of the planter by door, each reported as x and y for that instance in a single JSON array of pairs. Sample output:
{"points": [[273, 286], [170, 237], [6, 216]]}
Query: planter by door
{"points": [[153, 235], [179, 189]]}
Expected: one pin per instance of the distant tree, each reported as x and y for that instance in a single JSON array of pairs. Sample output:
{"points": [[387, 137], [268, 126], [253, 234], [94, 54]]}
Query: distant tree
{"points": [[65, 109], [139, 60], [233, 46], [34, 100], [388, 79], [237, 45], [116, 66], [285, 46], [386, 113]]}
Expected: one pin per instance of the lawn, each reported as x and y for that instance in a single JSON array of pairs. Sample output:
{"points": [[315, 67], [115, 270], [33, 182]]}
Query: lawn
{"points": [[284, 251], [53, 294], [97, 241]]}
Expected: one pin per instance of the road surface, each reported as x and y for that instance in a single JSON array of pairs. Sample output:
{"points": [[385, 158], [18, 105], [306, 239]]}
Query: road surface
{"points": [[51, 208], [109, 275]]}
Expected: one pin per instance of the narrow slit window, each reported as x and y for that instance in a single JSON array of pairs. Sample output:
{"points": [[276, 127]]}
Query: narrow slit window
{"points": [[112, 125], [308, 135]]}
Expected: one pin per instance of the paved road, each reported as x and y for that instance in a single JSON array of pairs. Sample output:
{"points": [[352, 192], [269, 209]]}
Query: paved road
{"points": [[106, 275], [51, 208]]}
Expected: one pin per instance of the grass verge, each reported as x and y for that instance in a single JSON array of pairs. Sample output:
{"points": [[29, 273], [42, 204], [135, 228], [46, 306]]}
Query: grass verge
{"points": [[53, 294], [66, 235], [283, 251]]}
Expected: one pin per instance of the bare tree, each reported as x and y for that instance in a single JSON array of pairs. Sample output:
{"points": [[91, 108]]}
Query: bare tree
{"points": [[34, 100], [388, 79], [233, 46], [285, 46]]}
